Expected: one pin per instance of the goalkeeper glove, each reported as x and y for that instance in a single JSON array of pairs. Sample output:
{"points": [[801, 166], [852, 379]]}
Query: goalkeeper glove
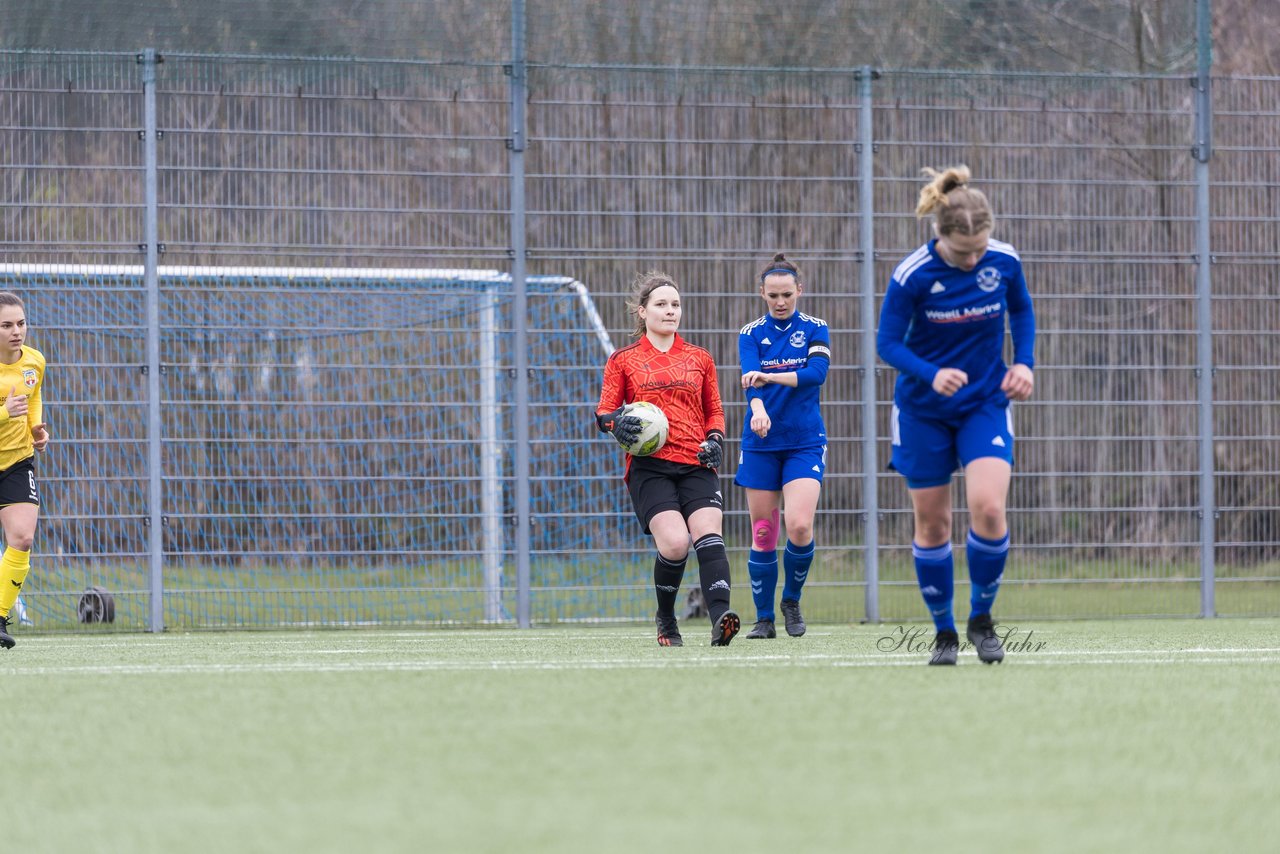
{"points": [[711, 451], [625, 428]]}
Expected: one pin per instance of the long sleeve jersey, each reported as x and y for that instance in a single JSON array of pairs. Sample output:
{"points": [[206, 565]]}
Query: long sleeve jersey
{"points": [[802, 344], [939, 316], [25, 376], [681, 381]]}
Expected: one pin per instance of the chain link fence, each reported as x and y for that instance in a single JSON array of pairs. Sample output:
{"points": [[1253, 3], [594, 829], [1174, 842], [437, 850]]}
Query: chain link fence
{"points": [[326, 395]]}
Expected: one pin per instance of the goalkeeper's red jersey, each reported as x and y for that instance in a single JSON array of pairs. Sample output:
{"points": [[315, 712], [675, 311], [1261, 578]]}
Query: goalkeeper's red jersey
{"points": [[681, 381]]}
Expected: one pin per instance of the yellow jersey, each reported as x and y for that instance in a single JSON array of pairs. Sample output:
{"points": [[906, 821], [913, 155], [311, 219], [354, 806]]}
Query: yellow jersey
{"points": [[25, 376]]}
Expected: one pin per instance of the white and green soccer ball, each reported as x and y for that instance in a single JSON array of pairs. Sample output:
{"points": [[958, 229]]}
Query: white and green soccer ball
{"points": [[653, 433]]}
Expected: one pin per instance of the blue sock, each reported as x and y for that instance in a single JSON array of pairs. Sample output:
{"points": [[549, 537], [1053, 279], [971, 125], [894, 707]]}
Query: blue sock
{"points": [[796, 560], [986, 565], [935, 570], [763, 569]]}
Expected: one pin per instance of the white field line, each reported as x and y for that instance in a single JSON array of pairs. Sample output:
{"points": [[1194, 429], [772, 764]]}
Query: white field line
{"points": [[709, 660]]}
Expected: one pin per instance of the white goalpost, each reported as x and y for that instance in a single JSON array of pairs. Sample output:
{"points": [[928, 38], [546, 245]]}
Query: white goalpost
{"points": [[236, 343]]}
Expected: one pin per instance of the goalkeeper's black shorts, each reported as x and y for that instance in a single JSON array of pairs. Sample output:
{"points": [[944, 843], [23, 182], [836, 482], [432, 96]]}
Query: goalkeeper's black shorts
{"points": [[658, 485]]}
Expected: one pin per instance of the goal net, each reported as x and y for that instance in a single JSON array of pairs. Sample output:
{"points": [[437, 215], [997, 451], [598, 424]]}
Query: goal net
{"points": [[336, 446]]}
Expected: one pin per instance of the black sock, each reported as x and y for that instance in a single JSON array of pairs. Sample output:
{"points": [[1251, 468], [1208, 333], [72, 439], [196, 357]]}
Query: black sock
{"points": [[667, 576], [713, 572]]}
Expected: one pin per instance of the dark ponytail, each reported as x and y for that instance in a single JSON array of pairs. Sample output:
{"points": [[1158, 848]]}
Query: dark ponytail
{"points": [[780, 264]]}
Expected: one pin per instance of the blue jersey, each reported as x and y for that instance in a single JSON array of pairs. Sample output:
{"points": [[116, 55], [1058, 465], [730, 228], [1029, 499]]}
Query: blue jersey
{"points": [[802, 344], [939, 316]]}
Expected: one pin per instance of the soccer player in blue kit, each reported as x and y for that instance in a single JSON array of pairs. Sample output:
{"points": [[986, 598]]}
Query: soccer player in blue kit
{"points": [[942, 327], [785, 355]]}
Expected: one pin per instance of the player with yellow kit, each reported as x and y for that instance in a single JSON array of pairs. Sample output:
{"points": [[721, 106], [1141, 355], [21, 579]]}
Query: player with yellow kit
{"points": [[22, 433]]}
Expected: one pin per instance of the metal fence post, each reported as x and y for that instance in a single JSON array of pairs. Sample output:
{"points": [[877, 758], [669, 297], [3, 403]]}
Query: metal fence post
{"points": [[149, 59], [490, 455], [519, 309], [867, 239], [1204, 305]]}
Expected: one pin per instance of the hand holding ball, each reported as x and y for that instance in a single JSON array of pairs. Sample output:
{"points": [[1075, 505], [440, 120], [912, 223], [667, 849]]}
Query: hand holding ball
{"points": [[644, 428]]}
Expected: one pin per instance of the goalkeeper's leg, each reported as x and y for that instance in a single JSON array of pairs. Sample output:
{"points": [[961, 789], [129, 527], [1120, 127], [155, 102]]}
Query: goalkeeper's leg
{"points": [[671, 539], [713, 571]]}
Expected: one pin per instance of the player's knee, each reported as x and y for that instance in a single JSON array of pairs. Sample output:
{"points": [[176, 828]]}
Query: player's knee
{"points": [[992, 527], [764, 534], [20, 540], [933, 531], [986, 516], [674, 551], [800, 532]]}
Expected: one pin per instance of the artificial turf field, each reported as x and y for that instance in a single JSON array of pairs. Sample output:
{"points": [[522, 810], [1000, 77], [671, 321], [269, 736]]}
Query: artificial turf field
{"points": [[1102, 736]]}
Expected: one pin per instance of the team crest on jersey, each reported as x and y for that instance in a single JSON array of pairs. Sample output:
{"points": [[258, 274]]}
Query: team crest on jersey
{"points": [[30, 378], [988, 279], [797, 338]]}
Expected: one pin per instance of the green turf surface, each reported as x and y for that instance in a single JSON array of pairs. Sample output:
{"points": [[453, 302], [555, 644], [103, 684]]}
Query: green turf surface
{"points": [[1105, 736], [450, 593]]}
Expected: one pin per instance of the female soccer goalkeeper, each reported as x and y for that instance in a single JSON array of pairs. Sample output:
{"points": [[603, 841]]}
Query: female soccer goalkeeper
{"points": [[675, 492], [22, 433]]}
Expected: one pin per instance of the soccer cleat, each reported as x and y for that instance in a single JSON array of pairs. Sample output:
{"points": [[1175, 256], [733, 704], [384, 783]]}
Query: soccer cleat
{"points": [[946, 645], [668, 631], [6, 639], [725, 629], [762, 629], [790, 609], [982, 634]]}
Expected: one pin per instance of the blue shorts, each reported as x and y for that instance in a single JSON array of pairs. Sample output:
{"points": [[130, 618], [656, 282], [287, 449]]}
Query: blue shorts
{"points": [[769, 470], [927, 450]]}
